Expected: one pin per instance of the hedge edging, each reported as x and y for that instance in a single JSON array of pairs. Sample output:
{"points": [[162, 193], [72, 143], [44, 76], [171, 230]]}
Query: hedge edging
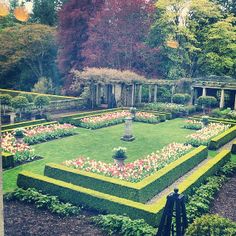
{"points": [[30, 126], [222, 138], [107, 203], [7, 160], [141, 191]]}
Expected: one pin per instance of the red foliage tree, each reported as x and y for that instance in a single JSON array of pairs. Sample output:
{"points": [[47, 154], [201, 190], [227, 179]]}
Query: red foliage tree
{"points": [[72, 33], [117, 34]]}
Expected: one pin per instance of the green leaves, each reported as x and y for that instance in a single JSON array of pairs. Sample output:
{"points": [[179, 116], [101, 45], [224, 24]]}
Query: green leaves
{"points": [[45, 201], [123, 225]]}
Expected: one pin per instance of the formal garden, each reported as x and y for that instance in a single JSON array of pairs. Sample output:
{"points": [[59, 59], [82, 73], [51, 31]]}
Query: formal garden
{"points": [[118, 117]]}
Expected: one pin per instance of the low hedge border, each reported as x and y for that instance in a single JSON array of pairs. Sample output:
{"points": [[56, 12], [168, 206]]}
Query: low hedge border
{"points": [[108, 203], [7, 160], [218, 119], [222, 139], [141, 191], [22, 124], [93, 113], [30, 126], [233, 148], [225, 122]]}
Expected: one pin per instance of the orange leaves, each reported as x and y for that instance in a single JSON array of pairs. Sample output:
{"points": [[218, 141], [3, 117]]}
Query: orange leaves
{"points": [[21, 14]]}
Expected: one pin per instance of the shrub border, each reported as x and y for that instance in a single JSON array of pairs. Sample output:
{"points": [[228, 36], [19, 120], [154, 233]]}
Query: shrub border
{"points": [[141, 191], [108, 203]]}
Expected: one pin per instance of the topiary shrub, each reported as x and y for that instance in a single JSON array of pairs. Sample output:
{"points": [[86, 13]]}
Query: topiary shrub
{"points": [[207, 102], [5, 100], [41, 102], [20, 103], [209, 225], [181, 98]]}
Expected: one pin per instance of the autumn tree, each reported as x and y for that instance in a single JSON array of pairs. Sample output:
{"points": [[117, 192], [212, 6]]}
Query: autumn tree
{"points": [[73, 26], [117, 35]]}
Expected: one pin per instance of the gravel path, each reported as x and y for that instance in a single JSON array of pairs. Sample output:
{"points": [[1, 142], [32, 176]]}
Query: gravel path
{"points": [[169, 189]]}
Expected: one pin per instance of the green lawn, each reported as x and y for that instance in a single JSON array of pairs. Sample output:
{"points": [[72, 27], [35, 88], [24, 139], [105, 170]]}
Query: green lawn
{"points": [[98, 144]]}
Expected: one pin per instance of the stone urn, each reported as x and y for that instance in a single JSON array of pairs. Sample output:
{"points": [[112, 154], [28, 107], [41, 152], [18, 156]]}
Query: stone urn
{"points": [[119, 155]]}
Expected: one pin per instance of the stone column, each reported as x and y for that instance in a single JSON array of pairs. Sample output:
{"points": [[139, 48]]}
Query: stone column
{"points": [[195, 96], [118, 93], [204, 92], [172, 93], [192, 96], [155, 93], [150, 93], [140, 94], [222, 99], [98, 95], [133, 95], [235, 101]]}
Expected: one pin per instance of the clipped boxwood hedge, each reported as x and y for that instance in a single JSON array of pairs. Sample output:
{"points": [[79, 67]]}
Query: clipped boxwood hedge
{"points": [[22, 124], [222, 138], [7, 160], [151, 213], [233, 149], [215, 120], [141, 191], [30, 126]]}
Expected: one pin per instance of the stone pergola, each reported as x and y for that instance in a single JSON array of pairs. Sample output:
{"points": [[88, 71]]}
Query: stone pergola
{"points": [[211, 88], [121, 92]]}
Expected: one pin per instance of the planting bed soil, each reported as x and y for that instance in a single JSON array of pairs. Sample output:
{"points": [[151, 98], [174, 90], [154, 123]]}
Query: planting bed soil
{"points": [[225, 202], [23, 219]]}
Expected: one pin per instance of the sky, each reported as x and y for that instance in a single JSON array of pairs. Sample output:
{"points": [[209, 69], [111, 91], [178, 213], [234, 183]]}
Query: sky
{"points": [[28, 5]]}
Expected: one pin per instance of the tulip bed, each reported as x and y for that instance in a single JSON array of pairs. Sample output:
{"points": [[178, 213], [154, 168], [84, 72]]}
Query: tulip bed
{"points": [[113, 118], [41, 134], [204, 135], [133, 171], [193, 124], [22, 151]]}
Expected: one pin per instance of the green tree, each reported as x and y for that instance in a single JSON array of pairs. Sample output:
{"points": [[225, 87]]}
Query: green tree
{"points": [[30, 48], [180, 22], [206, 102], [20, 103], [5, 100], [41, 102], [46, 11], [44, 85], [219, 49]]}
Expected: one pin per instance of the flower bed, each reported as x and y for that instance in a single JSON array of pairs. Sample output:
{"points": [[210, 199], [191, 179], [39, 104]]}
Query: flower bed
{"points": [[41, 134], [22, 151], [133, 171], [204, 135], [113, 118], [193, 124]]}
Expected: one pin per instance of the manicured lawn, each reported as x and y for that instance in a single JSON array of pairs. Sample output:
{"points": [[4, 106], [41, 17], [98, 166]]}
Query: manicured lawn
{"points": [[98, 144]]}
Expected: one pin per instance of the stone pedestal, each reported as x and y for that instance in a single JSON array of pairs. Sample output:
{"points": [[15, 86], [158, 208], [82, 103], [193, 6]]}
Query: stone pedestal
{"points": [[128, 136]]}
